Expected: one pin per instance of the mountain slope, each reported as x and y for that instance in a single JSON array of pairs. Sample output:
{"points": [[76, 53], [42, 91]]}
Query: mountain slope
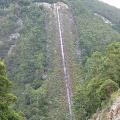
{"points": [[51, 58], [95, 35]]}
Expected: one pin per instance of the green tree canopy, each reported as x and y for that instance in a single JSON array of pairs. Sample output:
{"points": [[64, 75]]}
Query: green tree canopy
{"points": [[6, 98]]}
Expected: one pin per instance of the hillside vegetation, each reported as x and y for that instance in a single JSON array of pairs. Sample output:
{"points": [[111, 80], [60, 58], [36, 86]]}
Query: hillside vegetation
{"points": [[28, 48], [99, 43], [29, 65], [6, 98], [27, 61]]}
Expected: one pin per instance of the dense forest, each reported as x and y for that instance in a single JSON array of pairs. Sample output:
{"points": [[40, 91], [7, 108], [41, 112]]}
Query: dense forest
{"points": [[29, 63], [100, 47], [24, 47], [29, 55]]}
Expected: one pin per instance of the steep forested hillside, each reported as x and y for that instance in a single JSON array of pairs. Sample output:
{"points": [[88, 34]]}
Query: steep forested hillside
{"points": [[23, 46], [109, 12], [27, 45], [27, 64], [100, 71], [94, 34]]}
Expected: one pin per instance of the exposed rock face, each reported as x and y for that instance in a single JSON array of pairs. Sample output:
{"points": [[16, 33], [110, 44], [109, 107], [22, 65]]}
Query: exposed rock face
{"points": [[112, 114], [14, 36], [50, 7], [47, 6], [10, 52], [103, 18], [61, 4]]}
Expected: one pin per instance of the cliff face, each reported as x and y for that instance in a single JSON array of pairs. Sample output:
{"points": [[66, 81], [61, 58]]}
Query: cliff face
{"points": [[111, 112]]}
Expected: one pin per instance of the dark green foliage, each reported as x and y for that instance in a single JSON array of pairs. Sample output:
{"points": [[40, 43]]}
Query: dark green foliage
{"points": [[24, 2], [7, 26], [90, 97], [109, 12], [112, 62], [5, 3], [6, 98], [102, 79], [107, 65], [27, 65], [100, 69], [107, 88], [94, 33], [93, 65]]}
